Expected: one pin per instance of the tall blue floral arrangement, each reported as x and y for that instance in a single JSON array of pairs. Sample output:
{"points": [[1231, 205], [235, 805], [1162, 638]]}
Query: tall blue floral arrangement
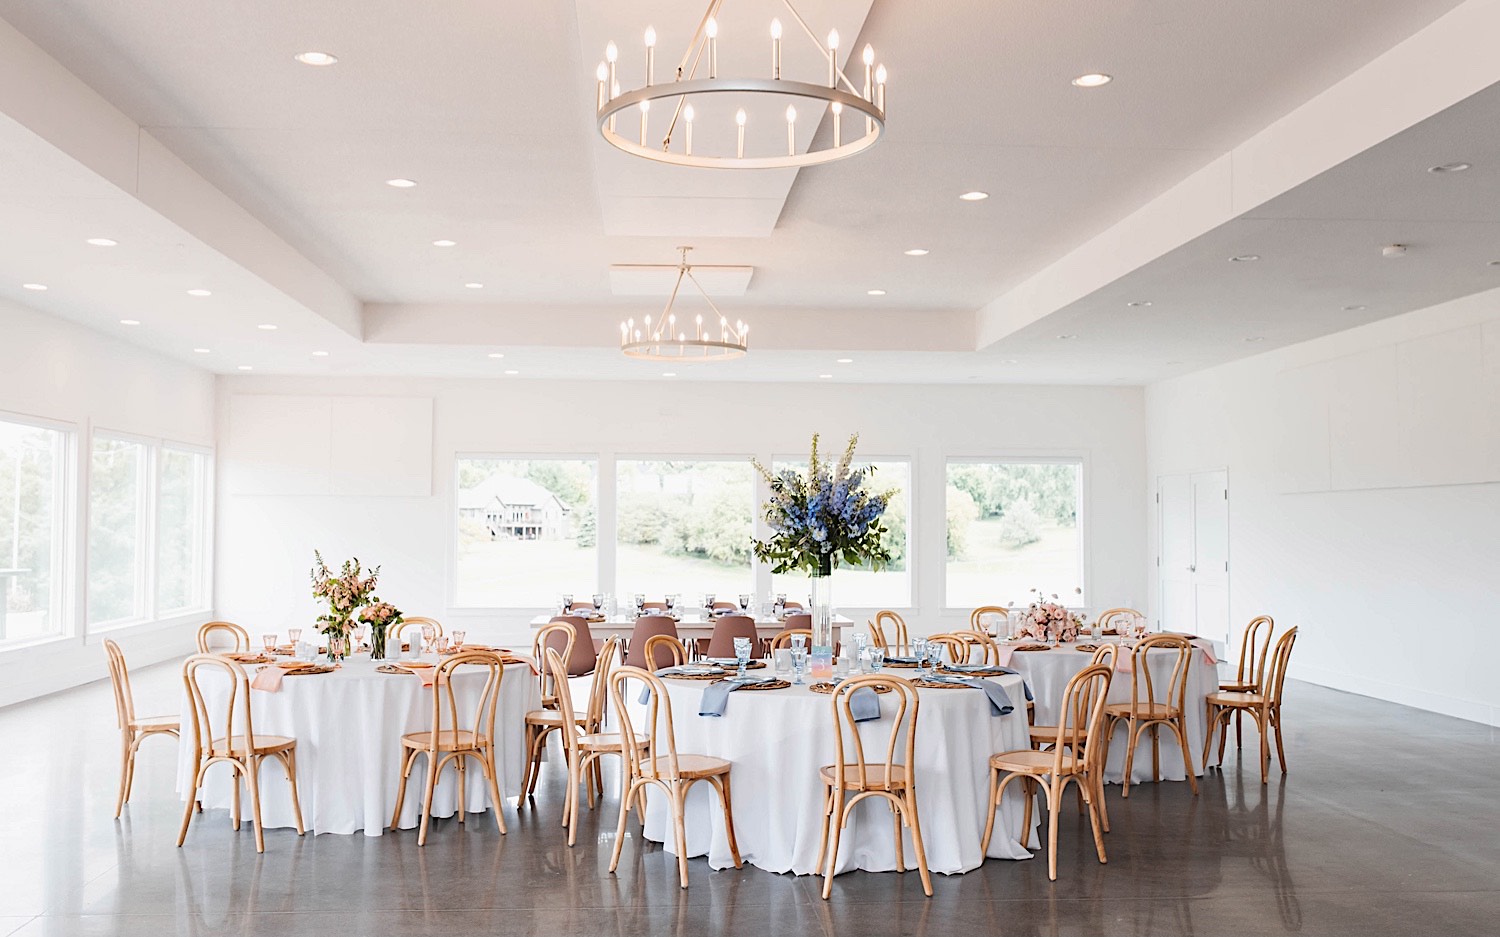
{"points": [[823, 519]]}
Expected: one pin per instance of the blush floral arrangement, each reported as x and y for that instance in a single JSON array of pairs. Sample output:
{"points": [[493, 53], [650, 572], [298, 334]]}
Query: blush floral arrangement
{"points": [[345, 594], [1050, 619]]}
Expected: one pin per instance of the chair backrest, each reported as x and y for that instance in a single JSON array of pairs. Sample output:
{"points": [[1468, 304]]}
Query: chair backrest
{"points": [[798, 621], [228, 722], [555, 667], [658, 606], [582, 607], [1107, 654], [1142, 683], [645, 627], [599, 689], [664, 650], [654, 725], [726, 629], [977, 640], [558, 634], [893, 754], [1252, 665], [210, 630], [579, 654], [784, 638], [445, 701], [889, 631], [1078, 723], [1276, 676], [954, 648], [1107, 618], [119, 679], [416, 622], [985, 616]]}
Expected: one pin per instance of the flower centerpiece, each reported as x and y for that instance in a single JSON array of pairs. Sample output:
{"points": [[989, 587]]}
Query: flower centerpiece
{"points": [[818, 521], [381, 617], [1051, 620], [345, 594]]}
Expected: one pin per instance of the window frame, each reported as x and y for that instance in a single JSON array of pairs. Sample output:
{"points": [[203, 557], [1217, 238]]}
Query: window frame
{"points": [[66, 541]]}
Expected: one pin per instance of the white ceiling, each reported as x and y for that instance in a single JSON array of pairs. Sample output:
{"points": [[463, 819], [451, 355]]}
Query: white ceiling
{"points": [[490, 108]]}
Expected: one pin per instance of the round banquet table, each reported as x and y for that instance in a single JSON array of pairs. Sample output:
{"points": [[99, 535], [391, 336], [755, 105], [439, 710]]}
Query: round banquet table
{"points": [[778, 739], [1048, 673], [348, 726]]}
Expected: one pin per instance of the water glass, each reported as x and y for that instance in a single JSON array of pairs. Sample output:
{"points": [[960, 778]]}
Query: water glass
{"points": [[1096, 631], [442, 644], [458, 638], [293, 635], [877, 659], [269, 640], [429, 637], [799, 641], [744, 603], [742, 653], [783, 662], [799, 662], [919, 651], [567, 601]]}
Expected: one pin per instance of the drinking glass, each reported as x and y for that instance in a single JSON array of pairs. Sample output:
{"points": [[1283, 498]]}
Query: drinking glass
{"points": [[429, 636], [442, 644], [458, 638], [671, 600], [1096, 631], [640, 601], [567, 601], [799, 640], [783, 662], [919, 650], [742, 653], [744, 603], [359, 638], [598, 598], [293, 635], [269, 640], [877, 659], [799, 658]]}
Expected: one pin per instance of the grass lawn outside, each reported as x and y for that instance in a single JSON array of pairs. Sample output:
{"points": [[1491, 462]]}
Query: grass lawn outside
{"points": [[993, 573]]}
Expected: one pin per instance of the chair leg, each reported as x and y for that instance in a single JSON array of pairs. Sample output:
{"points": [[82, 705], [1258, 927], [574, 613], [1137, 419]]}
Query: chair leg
{"points": [[1096, 805], [1054, 800], [1265, 748], [289, 762], [462, 794], [835, 829], [989, 820], [1179, 727], [679, 829], [192, 801], [1132, 738], [252, 783], [896, 821], [727, 800], [1210, 723], [127, 760], [1097, 777], [1275, 718], [408, 756], [626, 797], [496, 800], [427, 791], [1239, 734], [1028, 795], [234, 807], [916, 841], [1155, 753], [823, 839]]}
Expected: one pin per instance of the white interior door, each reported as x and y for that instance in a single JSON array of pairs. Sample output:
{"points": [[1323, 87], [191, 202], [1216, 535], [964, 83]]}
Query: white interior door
{"points": [[1193, 558]]}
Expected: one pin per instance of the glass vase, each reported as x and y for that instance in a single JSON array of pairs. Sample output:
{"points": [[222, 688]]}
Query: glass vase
{"points": [[377, 642], [821, 596]]}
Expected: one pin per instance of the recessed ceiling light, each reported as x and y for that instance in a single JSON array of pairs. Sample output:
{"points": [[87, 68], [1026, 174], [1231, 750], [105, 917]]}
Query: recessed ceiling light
{"points": [[201, 351], [1009, 361], [1092, 80], [874, 292], [1450, 167], [320, 354], [130, 321], [918, 252], [1174, 362], [1493, 263], [669, 374], [444, 242], [266, 327], [1255, 338], [975, 196], [199, 293], [512, 372], [846, 361], [474, 286], [35, 287], [103, 242], [497, 354], [246, 367], [316, 58], [401, 183], [1355, 308], [1139, 303], [1066, 337], [824, 376], [1244, 258]]}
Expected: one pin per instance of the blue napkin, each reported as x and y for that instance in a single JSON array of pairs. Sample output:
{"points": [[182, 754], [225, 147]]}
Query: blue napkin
{"points": [[1000, 704], [864, 705], [716, 694], [892, 659], [988, 668], [664, 672]]}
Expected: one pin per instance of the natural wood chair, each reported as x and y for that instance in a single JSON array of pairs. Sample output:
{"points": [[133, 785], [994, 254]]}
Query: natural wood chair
{"points": [[1044, 737], [231, 740], [1263, 706], [1078, 758], [976, 641], [1144, 711], [210, 630], [783, 639], [133, 729], [976, 617], [414, 622], [884, 776], [888, 630], [954, 648], [1107, 618], [659, 764], [447, 741], [559, 634], [665, 647], [552, 717], [1248, 674]]}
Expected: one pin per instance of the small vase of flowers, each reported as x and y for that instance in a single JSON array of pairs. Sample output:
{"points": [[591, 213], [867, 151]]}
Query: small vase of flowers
{"points": [[381, 617], [1051, 620], [344, 593]]}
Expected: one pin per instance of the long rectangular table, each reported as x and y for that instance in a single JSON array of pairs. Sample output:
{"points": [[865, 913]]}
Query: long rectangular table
{"points": [[690, 626]]}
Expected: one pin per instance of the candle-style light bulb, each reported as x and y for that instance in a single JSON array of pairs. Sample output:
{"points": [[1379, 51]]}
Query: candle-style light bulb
{"points": [[711, 29], [791, 130], [611, 52], [833, 39], [869, 54], [651, 37], [739, 119], [602, 73], [833, 64], [869, 58], [650, 55], [611, 56], [687, 118], [775, 29], [880, 75], [775, 49]]}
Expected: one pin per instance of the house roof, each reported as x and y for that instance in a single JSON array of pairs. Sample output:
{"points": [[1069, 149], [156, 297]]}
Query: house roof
{"points": [[507, 489]]}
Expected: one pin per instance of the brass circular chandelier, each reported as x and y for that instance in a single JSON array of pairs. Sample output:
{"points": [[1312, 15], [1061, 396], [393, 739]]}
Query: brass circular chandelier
{"points": [[665, 340], [858, 115]]}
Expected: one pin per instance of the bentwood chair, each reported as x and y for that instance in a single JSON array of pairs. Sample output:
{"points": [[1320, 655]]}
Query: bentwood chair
{"points": [[1264, 706], [1249, 673], [986, 617], [414, 623], [783, 639], [726, 629], [954, 648], [1146, 712], [889, 631], [579, 653], [645, 627], [208, 631], [1044, 737], [664, 650], [133, 729], [447, 741], [979, 641], [559, 634], [552, 717], [1117, 618], [582, 753], [1078, 757], [227, 736], [888, 773], [659, 764]]}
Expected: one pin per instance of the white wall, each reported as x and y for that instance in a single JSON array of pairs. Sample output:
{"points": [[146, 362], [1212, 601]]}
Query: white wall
{"points": [[265, 542], [59, 371], [1362, 498]]}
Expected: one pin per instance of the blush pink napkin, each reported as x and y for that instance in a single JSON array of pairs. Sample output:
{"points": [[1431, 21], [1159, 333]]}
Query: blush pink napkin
{"points": [[1004, 654], [269, 679]]}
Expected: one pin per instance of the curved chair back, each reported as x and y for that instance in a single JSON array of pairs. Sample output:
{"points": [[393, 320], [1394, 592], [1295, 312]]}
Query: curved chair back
{"points": [[784, 638], [445, 710], [875, 768], [654, 726], [599, 690], [889, 631], [664, 650], [986, 617], [584, 606], [1252, 666], [954, 648], [1106, 654], [1082, 709], [801, 621], [580, 654], [655, 606], [554, 666], [415, 622], [1142, 683], [209, 630], [119, 680], [1276, 676], [728, 628], [976, 641], [1107, 618], [645, 627], [558, 634], [229, 724]]}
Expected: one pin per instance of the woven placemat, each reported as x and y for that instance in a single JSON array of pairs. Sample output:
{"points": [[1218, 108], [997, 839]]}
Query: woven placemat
{"points": [[987, 672], [392, 668], [900, 665], [697, 676], [769, 685], [940, 684], [752, 665], [828, 688], [1033, 647], [249, 658], [1086, 648], [310, 669]]}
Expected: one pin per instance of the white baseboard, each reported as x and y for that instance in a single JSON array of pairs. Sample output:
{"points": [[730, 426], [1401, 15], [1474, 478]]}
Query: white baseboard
{"points": [[29, 672], [1418, 698]]}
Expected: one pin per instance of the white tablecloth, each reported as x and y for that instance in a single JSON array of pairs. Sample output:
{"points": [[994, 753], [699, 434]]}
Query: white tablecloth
{"points": [[1048, 672], [348, 726], [778, 739]]}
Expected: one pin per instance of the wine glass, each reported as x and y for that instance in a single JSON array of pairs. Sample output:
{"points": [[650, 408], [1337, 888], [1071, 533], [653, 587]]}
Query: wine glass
{"points": [[598, 599], [294, 636], [877, 659], [919, 651], [458, 638], [567, 601], [799, 659], [671, 601], [442, 644], [744, 603], [429, 637], [742, 654], [269, 640], [359, 638]]}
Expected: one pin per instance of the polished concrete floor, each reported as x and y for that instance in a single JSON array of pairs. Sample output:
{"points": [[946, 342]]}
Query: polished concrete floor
{"points": [[1386, 825]]}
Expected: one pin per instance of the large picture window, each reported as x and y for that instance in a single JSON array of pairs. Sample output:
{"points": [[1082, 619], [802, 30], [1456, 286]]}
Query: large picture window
{"points": [[181, 530], [35, 491], [527, 531], [118, 470], [1013, 527], [857, 586], [684, 527]]}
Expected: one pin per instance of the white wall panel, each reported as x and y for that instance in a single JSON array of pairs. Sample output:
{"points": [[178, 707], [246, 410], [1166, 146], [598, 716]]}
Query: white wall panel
{"points": [[1442, 389], [1363, 451]]}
